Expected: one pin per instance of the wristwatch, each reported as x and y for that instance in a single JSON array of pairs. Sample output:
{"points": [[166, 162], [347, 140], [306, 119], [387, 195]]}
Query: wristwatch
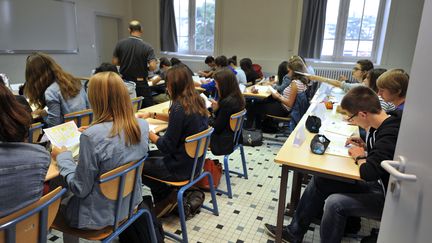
{"points": [[359, 158]]}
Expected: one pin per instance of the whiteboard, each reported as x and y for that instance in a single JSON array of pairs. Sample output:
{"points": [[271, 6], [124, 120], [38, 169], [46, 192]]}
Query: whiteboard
{"points": [[38, 25]]}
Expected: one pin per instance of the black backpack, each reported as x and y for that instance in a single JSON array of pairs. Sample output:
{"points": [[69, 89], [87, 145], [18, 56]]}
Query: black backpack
{"points": [[193, 199]]}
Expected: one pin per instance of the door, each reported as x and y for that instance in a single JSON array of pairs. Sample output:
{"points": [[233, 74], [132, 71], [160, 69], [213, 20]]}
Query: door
{"points": [[407, 213], [107, 36]]}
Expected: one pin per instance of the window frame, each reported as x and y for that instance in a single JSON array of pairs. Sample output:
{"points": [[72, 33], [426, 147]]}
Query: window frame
{"points": [[341, 26], [191, 33]]}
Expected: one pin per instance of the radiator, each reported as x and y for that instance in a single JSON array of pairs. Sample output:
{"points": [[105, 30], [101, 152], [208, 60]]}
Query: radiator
{"points": [[333, 73]]}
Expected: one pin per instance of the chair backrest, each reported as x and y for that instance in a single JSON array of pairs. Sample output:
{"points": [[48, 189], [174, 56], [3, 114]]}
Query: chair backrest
{"points": [[299, 108], [81, 118], [120, 182], [236, 125], [31, 223], [35, 131], [196, 147], [136, 103]]}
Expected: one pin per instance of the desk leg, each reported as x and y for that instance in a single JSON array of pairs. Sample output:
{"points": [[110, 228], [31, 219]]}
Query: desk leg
{"points": [[281, 206], [295, 193]]}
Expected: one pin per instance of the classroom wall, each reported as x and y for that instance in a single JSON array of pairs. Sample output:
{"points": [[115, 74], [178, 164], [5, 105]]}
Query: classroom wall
{"points": [[82, 63], [268, 31]]}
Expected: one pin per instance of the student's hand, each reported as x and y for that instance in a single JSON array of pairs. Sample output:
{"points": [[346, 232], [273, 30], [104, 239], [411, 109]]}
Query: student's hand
{"points": [[342, 78], [83, 128], [254, 90], [356, 151], [56, 151], [214, 104], [143, 115], [356, 141], [40, 113]]}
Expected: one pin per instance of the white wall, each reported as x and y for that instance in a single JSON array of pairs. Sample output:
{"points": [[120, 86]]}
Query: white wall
{"points": [[82, 63]]}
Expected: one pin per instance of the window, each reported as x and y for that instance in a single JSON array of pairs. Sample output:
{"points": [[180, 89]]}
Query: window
{"points": [[195, 26], [352, 29]]}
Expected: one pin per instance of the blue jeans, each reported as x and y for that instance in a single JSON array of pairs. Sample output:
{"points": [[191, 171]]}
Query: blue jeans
{"points": [[339, 200]]}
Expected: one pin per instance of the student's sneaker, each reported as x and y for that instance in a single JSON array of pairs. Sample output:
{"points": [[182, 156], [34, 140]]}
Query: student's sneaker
{"points": [[287, 236]]}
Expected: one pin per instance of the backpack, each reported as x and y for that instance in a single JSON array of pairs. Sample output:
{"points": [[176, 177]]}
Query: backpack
{"points": [[138, 232], [252, 138], [193, 199]]}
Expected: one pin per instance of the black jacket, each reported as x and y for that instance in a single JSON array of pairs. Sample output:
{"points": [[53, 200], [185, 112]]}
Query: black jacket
{"points": [[381, 145], [222, 139]]}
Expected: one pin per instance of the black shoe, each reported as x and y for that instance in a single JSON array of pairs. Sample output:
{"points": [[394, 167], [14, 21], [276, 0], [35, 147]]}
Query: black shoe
{"points": [[287, 236]]}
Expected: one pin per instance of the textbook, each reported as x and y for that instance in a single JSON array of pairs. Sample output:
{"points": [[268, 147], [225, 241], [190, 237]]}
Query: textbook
{"points": [[65, 134]]}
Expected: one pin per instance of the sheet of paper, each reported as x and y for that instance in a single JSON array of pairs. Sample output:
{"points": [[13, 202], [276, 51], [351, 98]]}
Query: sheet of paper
{"points": [[242, 88], [262, 89], [337, 145], [152, 127], [207, 101], [338, 127], [272, 89], [300, 137], [65, 134], [159, 83]]}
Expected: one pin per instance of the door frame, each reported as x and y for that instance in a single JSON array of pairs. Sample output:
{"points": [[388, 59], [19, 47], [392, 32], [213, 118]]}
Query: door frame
{"points": [[121, 29]]}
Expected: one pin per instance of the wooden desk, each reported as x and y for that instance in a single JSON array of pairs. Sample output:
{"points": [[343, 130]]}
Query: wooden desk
{"points": [[301, 160], [160, 108], [260, 95]]}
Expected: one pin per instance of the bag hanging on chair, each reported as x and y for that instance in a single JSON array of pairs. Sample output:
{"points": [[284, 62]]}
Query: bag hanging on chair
{"points": [[215, 169]]}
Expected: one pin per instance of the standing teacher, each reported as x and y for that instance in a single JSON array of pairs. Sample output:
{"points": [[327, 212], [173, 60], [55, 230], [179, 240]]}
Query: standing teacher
{"points": [[135, 58]]}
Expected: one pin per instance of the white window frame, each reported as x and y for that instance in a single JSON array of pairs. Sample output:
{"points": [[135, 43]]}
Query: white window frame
{"points": [[191, 34], [341, 31]]}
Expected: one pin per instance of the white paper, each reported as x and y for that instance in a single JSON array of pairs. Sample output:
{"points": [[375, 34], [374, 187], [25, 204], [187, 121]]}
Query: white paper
{"points": [[152, 128], [206, 100], [272, 89], [196, 78], [242, 88], [320, 111], [337, 145], [262, 89], [159, 83], [338, 127], [65, 134], [300, 136]]}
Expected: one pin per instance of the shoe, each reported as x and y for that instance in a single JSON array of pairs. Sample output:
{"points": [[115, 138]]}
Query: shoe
{"points": [[166, 205], [287, 236]]}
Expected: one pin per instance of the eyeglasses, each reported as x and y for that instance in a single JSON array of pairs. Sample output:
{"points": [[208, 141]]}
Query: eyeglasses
{"points": [[349, 119]]}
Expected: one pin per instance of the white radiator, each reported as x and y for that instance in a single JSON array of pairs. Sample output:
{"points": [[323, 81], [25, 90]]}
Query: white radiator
{"points": [[333, 73]]}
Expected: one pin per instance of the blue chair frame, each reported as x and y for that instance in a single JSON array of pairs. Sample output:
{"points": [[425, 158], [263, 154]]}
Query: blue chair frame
{"points": [[137, 103], [79, 116], [32, 131], [115, 230], [196, 147], [236, 124], [10, 227]]}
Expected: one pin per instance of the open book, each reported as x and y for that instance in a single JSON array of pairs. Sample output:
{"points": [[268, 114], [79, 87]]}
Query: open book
{"points": [[65, 134]]}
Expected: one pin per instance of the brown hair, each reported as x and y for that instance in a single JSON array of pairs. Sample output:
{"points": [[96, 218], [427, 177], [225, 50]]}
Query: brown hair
{"points": [[110, 101], [361, 98], [182, 89], [41, 71], [394, 80], [228, 85], [297, 66], [373, 75], [15, 121]]}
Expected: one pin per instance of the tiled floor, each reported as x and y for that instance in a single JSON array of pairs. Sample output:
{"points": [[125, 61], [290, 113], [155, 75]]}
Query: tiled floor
{"points": [[242, 218]]}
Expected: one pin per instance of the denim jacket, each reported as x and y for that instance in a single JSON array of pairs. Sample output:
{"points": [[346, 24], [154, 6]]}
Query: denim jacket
{"points": [[23, 167], [88, 208], [58, 106]]}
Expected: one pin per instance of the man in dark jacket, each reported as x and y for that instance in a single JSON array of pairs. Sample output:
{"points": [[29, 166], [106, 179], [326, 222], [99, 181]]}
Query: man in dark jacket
{"points": [[337, 199]]}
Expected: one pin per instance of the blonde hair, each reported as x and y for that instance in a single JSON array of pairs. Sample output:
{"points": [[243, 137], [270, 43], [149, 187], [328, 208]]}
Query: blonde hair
{"points": [[41, 71], [110, 101], [395, 81]]}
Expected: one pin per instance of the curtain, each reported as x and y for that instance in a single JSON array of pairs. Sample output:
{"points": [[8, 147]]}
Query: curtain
{"points": [[168, 31], [312, 28]]}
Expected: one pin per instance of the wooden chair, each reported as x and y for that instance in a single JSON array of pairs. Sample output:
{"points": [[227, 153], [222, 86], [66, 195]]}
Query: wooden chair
{"points": [[31, 223], [137, 103], [115, 185], [196, 147], [81, 118], [236, 125], [35, 131]]}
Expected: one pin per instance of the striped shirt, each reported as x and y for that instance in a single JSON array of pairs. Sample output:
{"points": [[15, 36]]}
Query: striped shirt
{"points": [[301, 87]]}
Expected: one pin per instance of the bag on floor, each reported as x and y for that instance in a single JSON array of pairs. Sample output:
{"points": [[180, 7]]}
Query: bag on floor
{"points": [[252, 138], [138, 231], [193, 199], [215, 169]]}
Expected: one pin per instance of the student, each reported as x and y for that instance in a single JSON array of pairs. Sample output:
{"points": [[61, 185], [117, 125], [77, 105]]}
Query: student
{"points": [[392, 87], [108, 67], [282, 103], [338, 199], [283, 78], [48, 85], [240, 74], [230, 101], [187, 116], [20, 98], [359, 73], [210, 87], [23, 166], [164, 65], [176, 61], [210, 61], [370, 81], [114, 138], [246, 66]]}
